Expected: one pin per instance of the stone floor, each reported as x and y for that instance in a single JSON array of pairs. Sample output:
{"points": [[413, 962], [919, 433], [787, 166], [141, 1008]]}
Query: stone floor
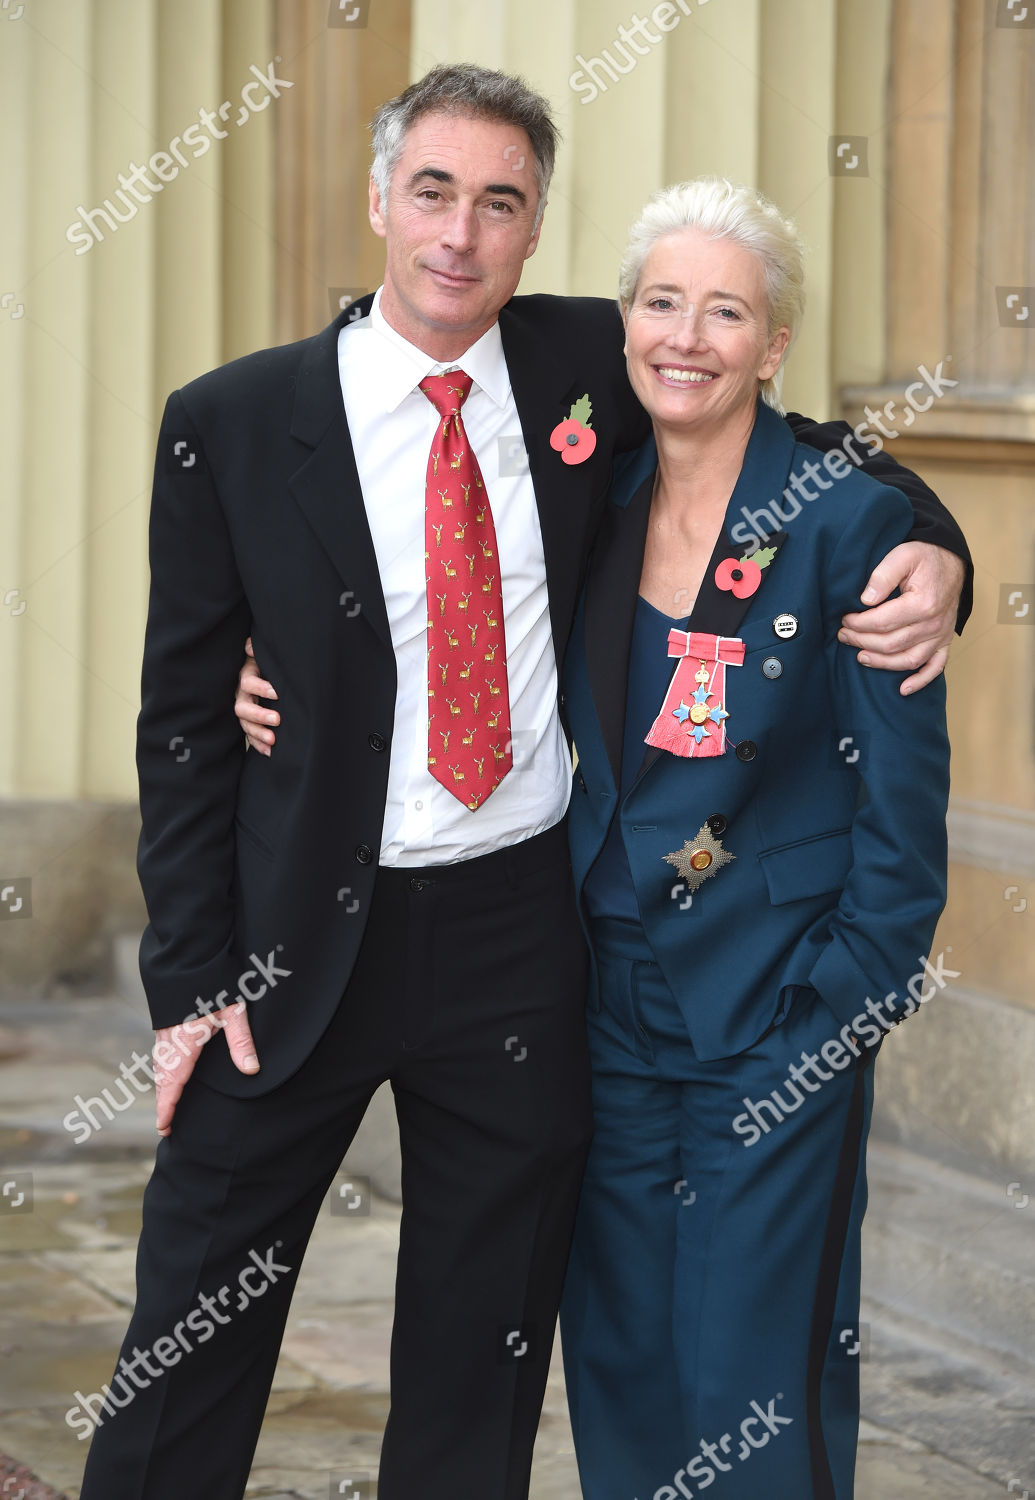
{"points": [[66, 1277]]}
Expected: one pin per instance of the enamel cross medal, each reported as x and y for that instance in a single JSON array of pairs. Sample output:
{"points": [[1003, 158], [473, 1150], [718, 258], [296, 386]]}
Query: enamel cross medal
{"points": [[692, 721]]}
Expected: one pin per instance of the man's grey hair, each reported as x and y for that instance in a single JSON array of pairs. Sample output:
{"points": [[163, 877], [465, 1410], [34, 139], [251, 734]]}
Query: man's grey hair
{"points": [[722, 210], [464, 89]]}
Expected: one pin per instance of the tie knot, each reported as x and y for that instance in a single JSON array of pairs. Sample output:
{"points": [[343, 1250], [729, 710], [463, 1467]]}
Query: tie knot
{"points": [[447, 393]]}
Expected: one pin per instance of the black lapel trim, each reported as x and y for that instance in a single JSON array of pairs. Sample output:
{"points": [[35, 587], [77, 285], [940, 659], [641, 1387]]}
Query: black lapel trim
{"points": [[719, 611], [612, 588]]}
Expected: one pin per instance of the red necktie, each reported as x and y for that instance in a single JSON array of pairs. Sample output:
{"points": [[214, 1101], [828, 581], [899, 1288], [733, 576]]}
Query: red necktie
{"points": [[469, 750]]}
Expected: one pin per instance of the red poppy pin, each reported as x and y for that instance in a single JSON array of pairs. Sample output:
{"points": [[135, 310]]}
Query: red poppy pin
{"points": [[574, 439], [741, 578]]}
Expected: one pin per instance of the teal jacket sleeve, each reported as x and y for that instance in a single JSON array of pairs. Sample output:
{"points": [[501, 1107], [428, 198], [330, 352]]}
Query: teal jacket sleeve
{"points": [[895, 889]]}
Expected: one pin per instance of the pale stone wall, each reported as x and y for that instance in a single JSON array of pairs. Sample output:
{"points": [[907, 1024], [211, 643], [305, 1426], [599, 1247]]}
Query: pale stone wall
{"points": [[104, 334]]}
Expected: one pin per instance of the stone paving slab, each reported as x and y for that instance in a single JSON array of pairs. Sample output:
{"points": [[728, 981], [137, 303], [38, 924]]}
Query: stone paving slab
{"points": [[19, 1483], [973, 1406]]}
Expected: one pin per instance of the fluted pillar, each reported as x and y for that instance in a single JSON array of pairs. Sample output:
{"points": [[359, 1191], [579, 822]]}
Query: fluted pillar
{"points": [[651, 94], [138, 244]]}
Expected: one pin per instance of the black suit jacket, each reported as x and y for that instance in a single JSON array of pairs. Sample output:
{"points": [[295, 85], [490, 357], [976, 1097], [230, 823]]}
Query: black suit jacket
{"points": [[258, 872]]}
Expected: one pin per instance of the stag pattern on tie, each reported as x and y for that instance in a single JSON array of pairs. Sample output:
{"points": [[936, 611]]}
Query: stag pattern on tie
{"points": [[454, 524]]}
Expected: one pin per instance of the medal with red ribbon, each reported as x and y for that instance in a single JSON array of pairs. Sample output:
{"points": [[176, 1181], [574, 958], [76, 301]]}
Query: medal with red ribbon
{"points": [[692, 721]]}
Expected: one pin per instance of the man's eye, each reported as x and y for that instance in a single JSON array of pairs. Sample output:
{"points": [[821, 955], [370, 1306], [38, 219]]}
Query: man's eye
{"points": [[501, 203], [432, 194]]}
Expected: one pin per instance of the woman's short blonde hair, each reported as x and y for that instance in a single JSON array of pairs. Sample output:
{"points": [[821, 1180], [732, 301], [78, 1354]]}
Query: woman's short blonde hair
{"points": [[725, 211]]}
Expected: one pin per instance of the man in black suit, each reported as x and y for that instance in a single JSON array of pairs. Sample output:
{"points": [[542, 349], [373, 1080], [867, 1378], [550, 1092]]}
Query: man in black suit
{"points": [[340, 911]]}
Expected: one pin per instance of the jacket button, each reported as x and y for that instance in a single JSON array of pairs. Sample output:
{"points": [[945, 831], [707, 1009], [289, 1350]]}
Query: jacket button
{"points": [[416, 884], [364, 854], [376, 741], [718, 825], [747, 750]]}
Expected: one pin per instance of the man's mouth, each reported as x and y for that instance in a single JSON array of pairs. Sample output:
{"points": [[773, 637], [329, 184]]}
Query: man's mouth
{"points": [[452, 278]]}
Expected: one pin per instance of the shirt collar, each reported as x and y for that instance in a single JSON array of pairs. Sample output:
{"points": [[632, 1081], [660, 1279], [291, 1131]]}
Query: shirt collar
{"points": [[401, 366]]}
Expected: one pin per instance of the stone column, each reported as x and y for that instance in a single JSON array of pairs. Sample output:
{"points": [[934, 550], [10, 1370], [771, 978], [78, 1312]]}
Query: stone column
{"points": [[120, 291]]}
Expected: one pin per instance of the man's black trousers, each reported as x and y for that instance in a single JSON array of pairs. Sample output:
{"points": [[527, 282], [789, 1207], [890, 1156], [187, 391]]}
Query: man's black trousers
{"points": [[468, 994]]}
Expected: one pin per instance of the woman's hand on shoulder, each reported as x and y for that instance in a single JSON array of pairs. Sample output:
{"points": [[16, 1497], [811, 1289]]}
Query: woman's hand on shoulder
{"points": [[255, 715]]}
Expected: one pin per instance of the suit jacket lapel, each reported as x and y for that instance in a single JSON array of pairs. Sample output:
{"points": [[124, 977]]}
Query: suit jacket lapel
{"points": [[716, 611], [327, 486], [763, 475], [612, 588], [541, 381]]}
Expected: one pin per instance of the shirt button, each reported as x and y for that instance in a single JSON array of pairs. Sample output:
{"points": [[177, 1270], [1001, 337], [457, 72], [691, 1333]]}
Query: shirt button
{"points": [[419, 806], [364, 854], [417, 884], [747, 750], [376, 741]]}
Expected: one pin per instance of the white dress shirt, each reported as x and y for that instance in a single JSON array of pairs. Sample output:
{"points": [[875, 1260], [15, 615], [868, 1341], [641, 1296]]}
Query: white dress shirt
{"points": [[392, 424]]}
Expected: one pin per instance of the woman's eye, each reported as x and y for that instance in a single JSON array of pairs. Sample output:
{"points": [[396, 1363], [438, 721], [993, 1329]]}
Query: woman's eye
{"points": [[730, 314], [661, 304]]}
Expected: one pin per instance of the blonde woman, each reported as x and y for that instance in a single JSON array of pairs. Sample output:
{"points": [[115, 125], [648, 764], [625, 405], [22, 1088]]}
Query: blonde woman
{"points": [[755, 899]]}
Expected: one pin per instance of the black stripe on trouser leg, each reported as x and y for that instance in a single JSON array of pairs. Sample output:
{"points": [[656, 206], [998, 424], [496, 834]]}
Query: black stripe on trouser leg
{"points": [[823, 1306]]}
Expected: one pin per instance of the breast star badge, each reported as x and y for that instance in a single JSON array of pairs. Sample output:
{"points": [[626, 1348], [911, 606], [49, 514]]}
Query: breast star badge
{"points": [[700, 857]]}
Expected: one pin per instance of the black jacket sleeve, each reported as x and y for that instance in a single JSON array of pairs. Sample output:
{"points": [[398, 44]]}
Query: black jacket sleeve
{"points": [[931, 521], [190, 749]]}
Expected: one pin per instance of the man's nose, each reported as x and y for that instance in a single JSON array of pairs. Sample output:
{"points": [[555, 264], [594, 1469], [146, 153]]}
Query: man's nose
{"points": [[460, 230]]}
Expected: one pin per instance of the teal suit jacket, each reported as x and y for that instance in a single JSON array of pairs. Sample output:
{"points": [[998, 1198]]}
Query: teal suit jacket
{"points": [[832, 792]]}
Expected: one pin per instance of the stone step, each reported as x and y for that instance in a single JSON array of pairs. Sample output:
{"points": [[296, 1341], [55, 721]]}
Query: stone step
{"points": [[953, 1251], [957, 1083]]}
